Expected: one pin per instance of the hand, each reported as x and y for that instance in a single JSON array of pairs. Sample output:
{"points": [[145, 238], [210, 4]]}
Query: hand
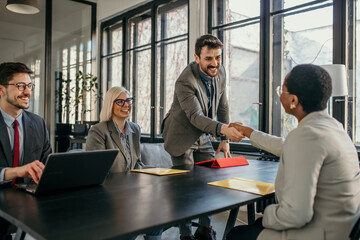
{"points": [[225, 147], [245, 131], [231, 133], [32, 170]]}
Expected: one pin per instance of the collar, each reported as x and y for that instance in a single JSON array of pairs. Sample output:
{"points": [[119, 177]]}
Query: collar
{"points": [[9, 120], [301, 121], [205, 78], [314, 114], [127, 128]]}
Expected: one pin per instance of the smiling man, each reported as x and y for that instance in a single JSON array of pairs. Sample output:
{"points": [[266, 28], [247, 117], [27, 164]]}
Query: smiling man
{"points": [[200, 109], [24, 139]]}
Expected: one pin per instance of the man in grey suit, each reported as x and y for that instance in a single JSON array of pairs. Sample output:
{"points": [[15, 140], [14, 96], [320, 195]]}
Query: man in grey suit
{"points": [[24, 139], [200, 108]]}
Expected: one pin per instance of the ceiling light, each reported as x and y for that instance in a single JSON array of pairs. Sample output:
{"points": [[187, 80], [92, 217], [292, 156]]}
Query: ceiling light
{"points": [[23, 6]]}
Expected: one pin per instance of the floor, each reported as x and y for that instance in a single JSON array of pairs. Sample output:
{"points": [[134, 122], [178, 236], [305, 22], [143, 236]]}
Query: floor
{"points": [[218, 223]]}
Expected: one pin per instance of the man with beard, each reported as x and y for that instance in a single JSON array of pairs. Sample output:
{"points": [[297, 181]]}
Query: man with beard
{"points": [[24, 139], [199, 99]]}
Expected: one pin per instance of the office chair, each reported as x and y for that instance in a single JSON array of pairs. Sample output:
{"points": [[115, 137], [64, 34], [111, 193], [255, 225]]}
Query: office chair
{"points": [[355, 232]]}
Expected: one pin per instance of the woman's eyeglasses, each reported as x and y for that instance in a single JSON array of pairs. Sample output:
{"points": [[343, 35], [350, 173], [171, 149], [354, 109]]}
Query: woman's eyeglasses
{"points": [[121, 102], [279, 90], [22, 86]]}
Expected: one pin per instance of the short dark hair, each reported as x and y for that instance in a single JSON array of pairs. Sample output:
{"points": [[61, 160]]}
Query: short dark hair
{"points": [[207, 40], [311, 84], [8, 69]]}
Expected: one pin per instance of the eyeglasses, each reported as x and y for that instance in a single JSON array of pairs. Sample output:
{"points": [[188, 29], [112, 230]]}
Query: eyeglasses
{"points": [[22, 86], [279, 91], [121, 102]]}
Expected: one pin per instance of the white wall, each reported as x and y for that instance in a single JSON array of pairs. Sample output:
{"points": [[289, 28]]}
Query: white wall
{"points": [[109, 8], [106, 9]]}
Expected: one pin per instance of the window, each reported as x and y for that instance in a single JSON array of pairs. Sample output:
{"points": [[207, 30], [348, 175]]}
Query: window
{"points": [[139, 62], [357, 74], [301, 34], [236, 23], [264, 40], [145, 50], [172, 57]]}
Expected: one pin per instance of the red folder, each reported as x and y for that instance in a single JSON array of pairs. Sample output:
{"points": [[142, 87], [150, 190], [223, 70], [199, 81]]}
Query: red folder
{"points": [[224, 162]]}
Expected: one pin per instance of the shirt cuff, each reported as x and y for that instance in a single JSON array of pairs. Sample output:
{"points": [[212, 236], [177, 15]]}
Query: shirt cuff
{"points": [[2, 175], [218, 132], [218, 129]]}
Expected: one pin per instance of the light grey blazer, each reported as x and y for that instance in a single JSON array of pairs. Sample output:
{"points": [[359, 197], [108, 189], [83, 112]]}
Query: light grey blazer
{"points": [[105, 136], [187, 118], [318, 183]]}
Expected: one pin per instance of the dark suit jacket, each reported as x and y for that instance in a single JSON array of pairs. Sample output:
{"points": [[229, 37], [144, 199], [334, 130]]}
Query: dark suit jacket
{"points": [[187, 118], [36, 141]]}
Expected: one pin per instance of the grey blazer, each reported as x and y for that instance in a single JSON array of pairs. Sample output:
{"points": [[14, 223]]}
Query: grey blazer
{"points": [[187, 118], [36, 141], [105, 136], [318, 182]]}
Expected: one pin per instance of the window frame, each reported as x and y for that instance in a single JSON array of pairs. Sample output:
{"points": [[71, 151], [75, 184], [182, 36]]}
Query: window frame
{"points": [[152, 7], [269, 115]]}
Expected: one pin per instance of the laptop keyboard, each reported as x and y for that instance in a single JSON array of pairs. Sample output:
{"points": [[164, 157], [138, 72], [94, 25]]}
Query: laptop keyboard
{"points": [[31, 187]]}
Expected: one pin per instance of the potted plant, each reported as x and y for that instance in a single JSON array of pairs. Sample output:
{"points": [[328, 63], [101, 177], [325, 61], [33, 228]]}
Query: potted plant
{"points": [[72, 98], [85, 85]]}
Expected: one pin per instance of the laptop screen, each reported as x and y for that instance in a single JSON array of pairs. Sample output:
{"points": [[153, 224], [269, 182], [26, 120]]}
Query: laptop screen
{"points": [[75, 169]]}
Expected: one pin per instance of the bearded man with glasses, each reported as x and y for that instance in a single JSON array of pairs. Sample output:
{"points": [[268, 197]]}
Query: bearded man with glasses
{"points": [[24, 139]]}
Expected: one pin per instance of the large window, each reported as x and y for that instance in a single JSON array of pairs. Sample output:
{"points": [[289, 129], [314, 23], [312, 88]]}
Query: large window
{"points": [[301, 34], [236, 23], [145, 50], [357, 75], [264, 40]]}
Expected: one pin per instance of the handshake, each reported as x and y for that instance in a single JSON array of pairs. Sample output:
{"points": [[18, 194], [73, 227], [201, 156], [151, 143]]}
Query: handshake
{"points": [[236, 132]]}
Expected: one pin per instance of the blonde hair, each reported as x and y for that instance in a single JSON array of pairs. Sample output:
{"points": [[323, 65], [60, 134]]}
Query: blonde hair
{"points": [[110, 96]]}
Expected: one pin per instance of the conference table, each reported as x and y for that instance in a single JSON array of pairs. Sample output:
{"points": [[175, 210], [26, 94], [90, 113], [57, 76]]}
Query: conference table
{"points": [[128, 204]]}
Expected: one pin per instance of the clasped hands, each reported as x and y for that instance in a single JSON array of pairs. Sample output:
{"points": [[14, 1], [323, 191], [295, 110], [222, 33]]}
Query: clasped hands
{"points": [[235, 131]]}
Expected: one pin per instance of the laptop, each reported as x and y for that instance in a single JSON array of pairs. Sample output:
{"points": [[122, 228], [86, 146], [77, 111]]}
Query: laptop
{"points": [[72, 170]]}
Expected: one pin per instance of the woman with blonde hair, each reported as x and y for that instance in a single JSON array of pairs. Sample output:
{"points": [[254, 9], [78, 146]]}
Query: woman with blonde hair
{"points": [[116, 132]]}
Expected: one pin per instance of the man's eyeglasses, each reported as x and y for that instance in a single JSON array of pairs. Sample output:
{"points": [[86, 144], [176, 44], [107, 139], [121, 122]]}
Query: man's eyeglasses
{"points": [[22, 86], [121, 102], [279, 90]]}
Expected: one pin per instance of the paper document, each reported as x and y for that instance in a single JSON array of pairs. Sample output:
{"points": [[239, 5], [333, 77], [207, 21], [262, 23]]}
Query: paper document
{"points": [[246, 185], [160, 171]]}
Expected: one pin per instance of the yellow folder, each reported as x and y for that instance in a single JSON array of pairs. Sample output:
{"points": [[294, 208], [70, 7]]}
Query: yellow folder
{"points": [[160, 171], [246, 185]]}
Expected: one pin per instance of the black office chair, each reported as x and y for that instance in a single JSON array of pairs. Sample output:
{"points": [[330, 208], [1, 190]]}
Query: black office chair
{"points": [[355, 232]]}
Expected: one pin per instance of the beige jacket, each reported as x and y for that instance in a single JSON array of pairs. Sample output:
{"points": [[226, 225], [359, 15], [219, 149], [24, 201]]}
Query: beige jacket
{"points": [[317, 184]]}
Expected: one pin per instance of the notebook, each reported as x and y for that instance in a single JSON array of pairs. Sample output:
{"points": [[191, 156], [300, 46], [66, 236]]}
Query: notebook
{"points": [[246, 185], [73, 170], [224, 162], [160, 171]]}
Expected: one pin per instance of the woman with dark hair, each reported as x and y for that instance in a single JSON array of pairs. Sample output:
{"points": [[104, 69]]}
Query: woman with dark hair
{"points": [[317, 186]]}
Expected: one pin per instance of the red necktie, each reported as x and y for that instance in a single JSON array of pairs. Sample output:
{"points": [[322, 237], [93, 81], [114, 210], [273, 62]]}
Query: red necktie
{"points": [[16, 149]]}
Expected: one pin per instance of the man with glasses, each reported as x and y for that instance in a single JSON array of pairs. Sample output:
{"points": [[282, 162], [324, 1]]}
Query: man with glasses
{"points": [[200, 109], [24, 139]]}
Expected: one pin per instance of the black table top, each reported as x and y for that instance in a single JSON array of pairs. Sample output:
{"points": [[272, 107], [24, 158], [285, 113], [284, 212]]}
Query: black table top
{"points": [[130, 203]]}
